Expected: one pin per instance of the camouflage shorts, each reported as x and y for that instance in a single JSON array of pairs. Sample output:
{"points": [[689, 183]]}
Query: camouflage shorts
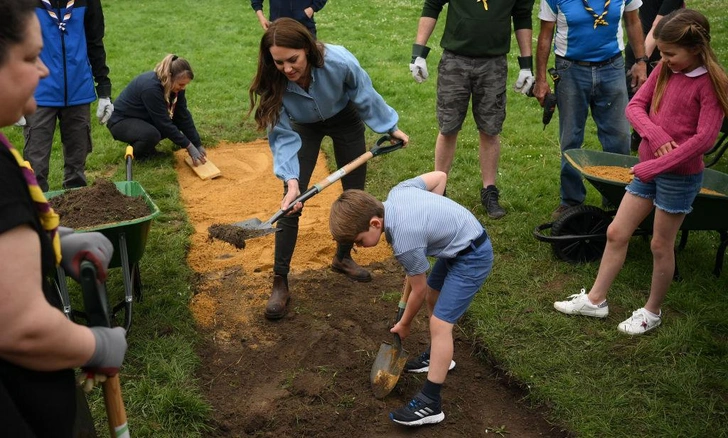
{"points": [[459, 78]]}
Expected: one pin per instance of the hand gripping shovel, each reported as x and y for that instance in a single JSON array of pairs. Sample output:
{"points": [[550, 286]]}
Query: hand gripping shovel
{"points": [[256, 228], [96, 307], [391, 358]]}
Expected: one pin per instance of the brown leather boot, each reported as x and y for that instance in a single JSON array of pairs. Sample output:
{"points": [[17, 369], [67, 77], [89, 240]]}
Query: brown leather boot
{"points": [[278, 302], [349, 268]]}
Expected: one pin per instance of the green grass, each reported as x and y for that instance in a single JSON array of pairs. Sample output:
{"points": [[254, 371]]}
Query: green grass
{"points": [[596, 382]]}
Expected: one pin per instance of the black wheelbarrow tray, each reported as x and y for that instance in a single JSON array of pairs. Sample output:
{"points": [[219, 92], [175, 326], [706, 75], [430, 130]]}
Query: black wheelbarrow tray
{"points": [[129, 239], [580, 234]]}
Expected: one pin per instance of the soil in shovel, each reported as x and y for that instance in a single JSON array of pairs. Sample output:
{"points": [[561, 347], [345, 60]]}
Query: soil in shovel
{"points": [[98, 204]]}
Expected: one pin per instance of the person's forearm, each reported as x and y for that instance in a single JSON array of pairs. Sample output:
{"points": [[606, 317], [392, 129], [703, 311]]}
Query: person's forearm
{"points": [[524, 37], [634, 34], [424, 30], [543, 50]]}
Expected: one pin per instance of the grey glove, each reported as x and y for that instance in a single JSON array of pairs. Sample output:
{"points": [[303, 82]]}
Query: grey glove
{"points": [[197, 154], [110, 350], [77, 247]]}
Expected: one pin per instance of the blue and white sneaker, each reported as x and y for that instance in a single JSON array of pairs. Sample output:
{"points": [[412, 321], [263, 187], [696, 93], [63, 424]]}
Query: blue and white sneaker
{"points": [[421, 364], [421, 410]]}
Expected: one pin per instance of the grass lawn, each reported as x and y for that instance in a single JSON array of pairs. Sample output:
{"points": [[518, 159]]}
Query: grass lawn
{"points": [[596, 382]]}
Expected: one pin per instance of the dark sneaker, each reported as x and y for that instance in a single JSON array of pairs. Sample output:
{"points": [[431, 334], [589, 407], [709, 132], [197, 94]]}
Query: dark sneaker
{"points": [[421, 410], [421, 364], [489, 198]]}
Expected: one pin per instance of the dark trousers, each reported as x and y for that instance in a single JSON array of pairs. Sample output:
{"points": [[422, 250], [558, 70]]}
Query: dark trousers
{"points": [[346, 130], [141, 135], [75, 125]]}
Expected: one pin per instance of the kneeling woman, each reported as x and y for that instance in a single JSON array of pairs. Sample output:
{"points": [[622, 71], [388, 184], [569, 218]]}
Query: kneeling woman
{"points": [[153, 107]]}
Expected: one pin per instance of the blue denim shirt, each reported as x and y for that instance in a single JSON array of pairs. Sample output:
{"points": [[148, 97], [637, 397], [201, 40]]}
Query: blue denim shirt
{"points": [[341, 80]]}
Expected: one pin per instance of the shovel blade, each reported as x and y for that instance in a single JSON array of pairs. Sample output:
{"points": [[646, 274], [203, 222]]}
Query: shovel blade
{"points": [[255, 228], [249, 224], [387, 367]]}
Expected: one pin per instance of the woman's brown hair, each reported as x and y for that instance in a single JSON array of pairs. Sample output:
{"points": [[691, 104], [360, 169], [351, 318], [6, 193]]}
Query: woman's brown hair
{"points": [[269, 84]]}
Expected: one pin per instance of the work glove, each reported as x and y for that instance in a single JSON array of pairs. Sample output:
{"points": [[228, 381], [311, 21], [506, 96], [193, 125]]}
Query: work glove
{"points": [[108, 354], [77, 247], [21, 121], [103, 112], [197, 154], [418, 66], [524, 83]]}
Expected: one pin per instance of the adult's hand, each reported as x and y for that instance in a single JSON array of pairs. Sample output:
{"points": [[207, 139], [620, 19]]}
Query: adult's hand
{"points": [[418, 68], [104, 110], [540, 90], [639, 75], [525, 80], [197, 154], [308, 11], [77, 247], [109, 352], [292, 193], [21, 121]]}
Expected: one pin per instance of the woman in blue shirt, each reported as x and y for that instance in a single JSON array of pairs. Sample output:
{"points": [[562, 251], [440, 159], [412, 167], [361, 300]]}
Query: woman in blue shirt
{"points": [[303, 91]]}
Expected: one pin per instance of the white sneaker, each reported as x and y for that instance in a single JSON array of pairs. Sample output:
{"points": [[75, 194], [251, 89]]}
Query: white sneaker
{"points": [[640, 322], [579, 304]]}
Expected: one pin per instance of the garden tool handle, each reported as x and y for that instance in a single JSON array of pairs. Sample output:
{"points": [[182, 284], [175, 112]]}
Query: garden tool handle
{"points": [[378, 149], [402, 304], [128, 157]]}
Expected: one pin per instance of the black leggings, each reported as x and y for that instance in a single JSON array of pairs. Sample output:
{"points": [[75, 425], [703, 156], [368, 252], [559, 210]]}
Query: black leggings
{"points": [[141, 135], [346, 130]]}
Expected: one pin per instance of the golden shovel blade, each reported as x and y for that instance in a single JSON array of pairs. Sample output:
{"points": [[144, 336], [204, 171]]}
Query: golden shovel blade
{"points": [[387, 368]]}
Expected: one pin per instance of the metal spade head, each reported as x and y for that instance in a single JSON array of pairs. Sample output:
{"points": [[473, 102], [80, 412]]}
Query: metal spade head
{"points": [[255, 228], [387, 367]]}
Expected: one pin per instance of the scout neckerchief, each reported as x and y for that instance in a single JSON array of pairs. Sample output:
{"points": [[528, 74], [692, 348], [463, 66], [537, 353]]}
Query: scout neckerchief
{"points": [[48, 218], [67, 16], [598, 19], [171, 105], [485, 3]]}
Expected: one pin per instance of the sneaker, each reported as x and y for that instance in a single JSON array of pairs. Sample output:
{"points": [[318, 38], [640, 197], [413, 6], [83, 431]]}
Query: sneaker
{"points": [[489, 199], [421, 364], [579, 304], [641, 321], [421, 410]]}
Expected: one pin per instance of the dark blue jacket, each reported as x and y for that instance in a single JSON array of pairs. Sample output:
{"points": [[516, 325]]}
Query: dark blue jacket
{"points": [[292, 9], [75, 58]]}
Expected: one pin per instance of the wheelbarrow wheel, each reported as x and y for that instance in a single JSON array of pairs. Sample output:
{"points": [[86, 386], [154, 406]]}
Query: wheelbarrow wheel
{"points": [[582, 220]]}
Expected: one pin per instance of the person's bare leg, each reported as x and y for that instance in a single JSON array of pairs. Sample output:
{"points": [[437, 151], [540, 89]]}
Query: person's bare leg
{"points": [[445, 151], [632, 211], [663, 257], [441, 349], [489, 157]]}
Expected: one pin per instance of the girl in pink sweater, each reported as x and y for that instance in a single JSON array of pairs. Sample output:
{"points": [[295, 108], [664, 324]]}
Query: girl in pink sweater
{"points": [[678, 112]]}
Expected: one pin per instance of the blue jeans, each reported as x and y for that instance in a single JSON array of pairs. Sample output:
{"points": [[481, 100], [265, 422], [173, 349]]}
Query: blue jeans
{"points": [[603, 91], [669, 192]]}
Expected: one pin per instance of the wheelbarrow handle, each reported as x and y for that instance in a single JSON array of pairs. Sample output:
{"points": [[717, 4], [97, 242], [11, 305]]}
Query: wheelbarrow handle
{"points": [[376, 150]]}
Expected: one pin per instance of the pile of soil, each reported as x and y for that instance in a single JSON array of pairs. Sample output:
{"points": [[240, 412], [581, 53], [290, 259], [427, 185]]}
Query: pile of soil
{"points": [[308, 374], [98, 204]]}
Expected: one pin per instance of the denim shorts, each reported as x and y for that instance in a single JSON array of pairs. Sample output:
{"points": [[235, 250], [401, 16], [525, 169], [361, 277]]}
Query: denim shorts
{"points": [[458, 280], [669, 192], [462, 79]]}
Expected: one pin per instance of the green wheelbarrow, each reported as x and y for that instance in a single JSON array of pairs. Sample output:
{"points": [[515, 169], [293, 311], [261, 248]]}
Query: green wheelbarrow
{"points": [[580, 234]]}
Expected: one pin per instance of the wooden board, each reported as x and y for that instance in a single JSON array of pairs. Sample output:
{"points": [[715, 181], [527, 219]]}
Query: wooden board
{"points": [[204, 171]]}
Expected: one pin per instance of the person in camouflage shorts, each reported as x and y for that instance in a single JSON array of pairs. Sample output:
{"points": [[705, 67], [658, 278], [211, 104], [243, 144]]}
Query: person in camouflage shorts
{"points": [[474, 66]]}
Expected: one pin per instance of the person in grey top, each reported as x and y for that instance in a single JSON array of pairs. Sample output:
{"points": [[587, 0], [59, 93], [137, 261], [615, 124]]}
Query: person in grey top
{"points": [[418, 222]]}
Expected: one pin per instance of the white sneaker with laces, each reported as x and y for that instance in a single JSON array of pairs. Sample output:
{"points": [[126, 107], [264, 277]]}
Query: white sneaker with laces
{"points": [[579, 304], [640, 322]]}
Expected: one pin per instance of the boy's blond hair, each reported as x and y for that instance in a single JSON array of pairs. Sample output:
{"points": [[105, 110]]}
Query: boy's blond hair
{"points": [[351, 213]]}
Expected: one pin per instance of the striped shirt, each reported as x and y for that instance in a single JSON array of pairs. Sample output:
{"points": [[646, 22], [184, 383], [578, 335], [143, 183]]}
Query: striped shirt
{"points": [[419, 223], [575, 36]]}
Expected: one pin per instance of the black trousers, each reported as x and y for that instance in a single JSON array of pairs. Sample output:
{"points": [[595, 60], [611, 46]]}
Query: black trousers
{"points": [[141, 135], [346, 130]]}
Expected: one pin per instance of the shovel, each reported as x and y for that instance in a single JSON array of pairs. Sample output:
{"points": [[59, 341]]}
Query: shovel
{"points": [[391, 358], [256, 228]]}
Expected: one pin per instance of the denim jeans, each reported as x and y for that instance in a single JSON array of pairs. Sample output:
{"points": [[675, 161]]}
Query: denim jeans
{"points": [[601, 90]]}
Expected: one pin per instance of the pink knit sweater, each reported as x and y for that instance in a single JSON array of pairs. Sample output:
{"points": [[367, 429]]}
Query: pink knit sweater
{"points": [[689, 114]]}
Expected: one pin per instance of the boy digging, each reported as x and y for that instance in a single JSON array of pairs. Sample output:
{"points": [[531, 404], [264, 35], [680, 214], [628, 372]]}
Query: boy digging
{"points": [[422, 223]]}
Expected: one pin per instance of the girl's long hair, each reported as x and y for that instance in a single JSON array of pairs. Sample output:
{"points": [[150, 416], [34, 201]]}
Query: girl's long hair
{"points": [[689, 29], [170, 69], [269, 84]]}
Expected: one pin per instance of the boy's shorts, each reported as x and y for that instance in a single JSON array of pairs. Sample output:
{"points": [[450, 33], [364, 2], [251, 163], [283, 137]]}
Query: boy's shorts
{"points": [[458, 279], [459, 78], [669, 192]]}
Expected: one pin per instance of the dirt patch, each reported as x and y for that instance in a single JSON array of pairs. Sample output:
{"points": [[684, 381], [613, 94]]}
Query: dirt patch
{"points": [[98, 204], [308, 374]]}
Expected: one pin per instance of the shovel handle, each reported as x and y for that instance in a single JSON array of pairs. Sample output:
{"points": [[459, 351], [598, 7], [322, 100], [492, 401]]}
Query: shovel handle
{"points": [[402, 304], [376, 150]]}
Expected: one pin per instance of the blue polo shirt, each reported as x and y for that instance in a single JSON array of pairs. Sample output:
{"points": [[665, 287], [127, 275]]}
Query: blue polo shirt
{"points": [[575, 36]]}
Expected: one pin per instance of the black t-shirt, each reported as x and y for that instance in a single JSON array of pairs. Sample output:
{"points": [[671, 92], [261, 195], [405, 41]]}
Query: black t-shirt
{"points": [[31, 402]]}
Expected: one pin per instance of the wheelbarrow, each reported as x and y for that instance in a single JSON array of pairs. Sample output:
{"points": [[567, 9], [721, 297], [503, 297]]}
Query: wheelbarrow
{"points": [[580, 234], [129, 239]]}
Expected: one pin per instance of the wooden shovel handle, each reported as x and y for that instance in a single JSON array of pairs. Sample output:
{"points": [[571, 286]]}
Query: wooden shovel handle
{"points": [[115, 410]]}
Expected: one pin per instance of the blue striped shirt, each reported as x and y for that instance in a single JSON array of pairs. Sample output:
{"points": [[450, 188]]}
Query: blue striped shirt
{"points": [[575, 36], [341, 80], [419, 223]]}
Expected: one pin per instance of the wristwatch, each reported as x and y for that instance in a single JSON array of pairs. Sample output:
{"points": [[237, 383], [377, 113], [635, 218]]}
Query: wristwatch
{"points": [[644, 59]]}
